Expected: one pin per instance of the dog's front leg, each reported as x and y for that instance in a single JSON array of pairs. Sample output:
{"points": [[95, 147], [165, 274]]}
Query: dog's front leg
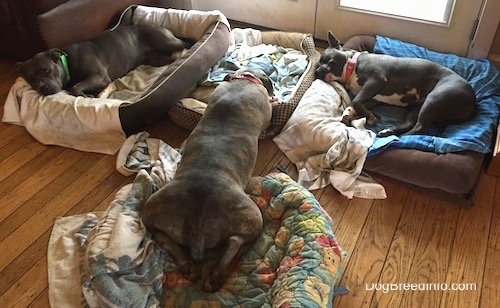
{"points": [[92, 85], [369, 89], [218, 276]]}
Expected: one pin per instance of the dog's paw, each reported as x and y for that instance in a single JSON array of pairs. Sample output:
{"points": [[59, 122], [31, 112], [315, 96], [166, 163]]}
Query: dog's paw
{"points": [[189, 270], [348, 115], [214, 281], [385, 132], [371, 120]]}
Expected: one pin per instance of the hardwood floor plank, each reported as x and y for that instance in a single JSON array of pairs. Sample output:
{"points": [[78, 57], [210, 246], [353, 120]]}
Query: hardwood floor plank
{"points": [[334, 204], [28, 287], [369, 255], [29, 180], [432, 254], [10, 133], [18, 153], [19, 239], [99, 199], [24, 211], [20, 265], [402, 251], [490, 292], [468, 254], [42, 300]]}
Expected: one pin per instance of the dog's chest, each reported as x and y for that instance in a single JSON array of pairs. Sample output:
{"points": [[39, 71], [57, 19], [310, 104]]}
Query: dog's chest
{"points": [[401, 98]]}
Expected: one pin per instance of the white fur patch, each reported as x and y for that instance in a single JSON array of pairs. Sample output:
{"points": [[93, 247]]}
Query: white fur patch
{"points": [[395, 99]]}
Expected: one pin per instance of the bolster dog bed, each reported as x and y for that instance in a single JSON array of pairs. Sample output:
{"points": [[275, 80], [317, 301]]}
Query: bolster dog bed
{"points": [[444, 162], [288, 59], [109, 259], [140, 99]]}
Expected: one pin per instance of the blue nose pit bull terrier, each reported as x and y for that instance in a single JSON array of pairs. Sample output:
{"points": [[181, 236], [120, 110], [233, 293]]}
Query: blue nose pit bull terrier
{"points": [[86, 68], [204, 209], [433, 93]]}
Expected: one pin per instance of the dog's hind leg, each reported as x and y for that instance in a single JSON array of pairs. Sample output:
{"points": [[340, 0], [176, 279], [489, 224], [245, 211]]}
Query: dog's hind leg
{"points": [[218, 276], [184, 263], [409, 124]]}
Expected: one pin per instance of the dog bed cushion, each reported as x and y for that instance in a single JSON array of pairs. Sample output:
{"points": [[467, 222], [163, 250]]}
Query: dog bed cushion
{"points": [[288, 58], [445, 162], [110, 258], [474, 135], [102, 124]]}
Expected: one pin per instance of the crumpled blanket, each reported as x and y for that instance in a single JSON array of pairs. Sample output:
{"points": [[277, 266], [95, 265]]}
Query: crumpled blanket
{"points": [[108, 259], [325, 150], [284, 66]]}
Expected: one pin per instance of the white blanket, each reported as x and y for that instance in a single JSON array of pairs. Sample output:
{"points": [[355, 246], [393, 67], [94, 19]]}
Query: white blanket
{"points": [[93, 124], [325, 150], [107, 259]]}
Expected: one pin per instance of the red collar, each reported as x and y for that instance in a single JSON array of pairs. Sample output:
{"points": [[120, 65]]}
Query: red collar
{"points": [[351, 65], [246, 76], [252, 79]]}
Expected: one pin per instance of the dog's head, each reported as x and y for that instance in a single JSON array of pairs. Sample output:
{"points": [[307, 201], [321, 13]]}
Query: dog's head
{"points": [[332, 60], [253, 73], [44, 72]]}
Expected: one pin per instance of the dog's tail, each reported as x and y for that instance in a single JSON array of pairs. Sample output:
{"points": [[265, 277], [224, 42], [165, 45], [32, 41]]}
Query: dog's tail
{"points": [[197, 237]]}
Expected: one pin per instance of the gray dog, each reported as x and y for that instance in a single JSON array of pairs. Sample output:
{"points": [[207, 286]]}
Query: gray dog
{"points": [[433, 93], [205, 209], [86, 68]]}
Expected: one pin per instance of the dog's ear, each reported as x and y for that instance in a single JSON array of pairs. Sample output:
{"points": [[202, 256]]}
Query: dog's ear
{"points": [[55, 54], [333, 42], [18, 66], [266, 81]]}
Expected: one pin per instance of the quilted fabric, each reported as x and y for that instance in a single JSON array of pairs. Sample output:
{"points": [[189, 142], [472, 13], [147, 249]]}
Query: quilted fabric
{"points": [[294, 263]]}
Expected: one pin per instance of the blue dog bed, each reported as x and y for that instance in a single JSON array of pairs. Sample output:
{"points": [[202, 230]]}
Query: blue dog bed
{"points": [[445, 162]]}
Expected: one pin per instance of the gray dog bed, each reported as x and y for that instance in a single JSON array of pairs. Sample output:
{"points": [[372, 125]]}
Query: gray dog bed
{"points": [[137, 100]]}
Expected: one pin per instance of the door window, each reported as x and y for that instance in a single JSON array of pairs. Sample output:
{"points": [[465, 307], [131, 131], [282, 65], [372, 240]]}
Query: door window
{"points": [[438, 11]]}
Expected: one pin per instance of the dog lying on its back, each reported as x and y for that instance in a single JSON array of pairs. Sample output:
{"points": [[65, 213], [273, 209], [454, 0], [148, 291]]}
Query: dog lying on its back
{"points": [[205, 206], [433, 93], [86, 68]]}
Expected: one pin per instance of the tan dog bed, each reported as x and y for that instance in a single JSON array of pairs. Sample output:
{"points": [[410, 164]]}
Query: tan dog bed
{"points": [[267, 50]]}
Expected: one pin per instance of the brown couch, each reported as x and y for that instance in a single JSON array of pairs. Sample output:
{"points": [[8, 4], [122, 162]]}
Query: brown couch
{"points": [[30, 26]]}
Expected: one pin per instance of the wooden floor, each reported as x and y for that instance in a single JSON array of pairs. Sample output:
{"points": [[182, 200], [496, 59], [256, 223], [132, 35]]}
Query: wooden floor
{"points": [[409, 238]]}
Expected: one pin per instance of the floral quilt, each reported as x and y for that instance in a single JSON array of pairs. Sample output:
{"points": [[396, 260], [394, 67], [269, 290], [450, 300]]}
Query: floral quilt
{"points": [[108, 259], [294, 263]]}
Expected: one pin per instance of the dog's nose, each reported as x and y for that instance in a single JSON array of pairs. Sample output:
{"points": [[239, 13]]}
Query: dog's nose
{"points": [[46, 90], [321, 72]]}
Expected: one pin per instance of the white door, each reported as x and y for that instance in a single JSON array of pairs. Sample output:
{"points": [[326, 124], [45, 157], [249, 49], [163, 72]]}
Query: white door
{"points": [[441, 25], [288, 15]]}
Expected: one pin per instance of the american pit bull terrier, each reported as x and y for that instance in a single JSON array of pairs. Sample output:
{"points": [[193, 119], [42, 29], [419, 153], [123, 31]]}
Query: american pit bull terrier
{"points": [[205, 209], [434, 94], [86, 68]]}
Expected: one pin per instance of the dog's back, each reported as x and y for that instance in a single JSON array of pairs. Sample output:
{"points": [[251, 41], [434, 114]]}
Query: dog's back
{"points": [[236, 114]]}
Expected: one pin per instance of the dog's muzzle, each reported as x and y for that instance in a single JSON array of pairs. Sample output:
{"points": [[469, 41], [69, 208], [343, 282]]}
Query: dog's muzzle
{"points": [[321, 72]]}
